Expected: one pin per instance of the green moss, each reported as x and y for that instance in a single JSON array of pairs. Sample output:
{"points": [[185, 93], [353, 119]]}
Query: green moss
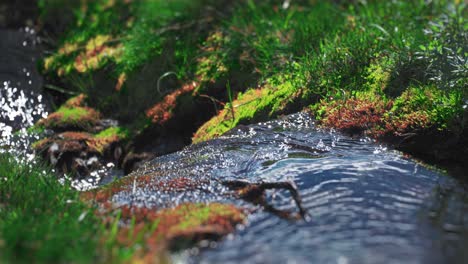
{"points": [[105, 138], [329, 50], [438, 107], [118, 132], [195, 217], [35, 130], [71, 117], [202, 213], [378, 75], [192, 216], [251, 106], [72, 114]]}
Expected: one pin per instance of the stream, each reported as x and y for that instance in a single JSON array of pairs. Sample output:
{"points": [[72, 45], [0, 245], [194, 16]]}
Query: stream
{"points": [[366, 203]]}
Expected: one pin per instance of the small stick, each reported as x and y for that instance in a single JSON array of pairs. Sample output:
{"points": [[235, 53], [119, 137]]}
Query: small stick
{"points": [[255, 193]]}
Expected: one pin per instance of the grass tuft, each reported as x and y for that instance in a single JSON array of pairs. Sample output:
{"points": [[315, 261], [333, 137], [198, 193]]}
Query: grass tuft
{"points": [[41, 220]]}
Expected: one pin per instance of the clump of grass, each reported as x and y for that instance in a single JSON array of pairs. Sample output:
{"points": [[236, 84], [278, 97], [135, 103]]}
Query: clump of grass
{"points": [[41, 220], [147, 35]]}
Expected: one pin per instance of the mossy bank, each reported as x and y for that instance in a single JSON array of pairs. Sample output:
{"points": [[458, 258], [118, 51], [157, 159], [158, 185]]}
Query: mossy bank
{"points": [[385, 69]]}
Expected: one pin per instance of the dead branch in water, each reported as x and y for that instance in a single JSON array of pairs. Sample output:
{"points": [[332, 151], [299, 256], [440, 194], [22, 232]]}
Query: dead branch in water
{"points": [[255, 193]]}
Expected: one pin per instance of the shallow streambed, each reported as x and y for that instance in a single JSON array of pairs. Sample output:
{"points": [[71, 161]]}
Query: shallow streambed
{"points": [[366, 204]]}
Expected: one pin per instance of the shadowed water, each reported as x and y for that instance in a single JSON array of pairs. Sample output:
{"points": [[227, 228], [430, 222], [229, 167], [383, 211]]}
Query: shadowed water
{"points": [[366, 204]]}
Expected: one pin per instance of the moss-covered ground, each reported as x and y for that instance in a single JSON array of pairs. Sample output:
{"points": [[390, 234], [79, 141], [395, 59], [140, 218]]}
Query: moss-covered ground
{"points": [[401, 63]]}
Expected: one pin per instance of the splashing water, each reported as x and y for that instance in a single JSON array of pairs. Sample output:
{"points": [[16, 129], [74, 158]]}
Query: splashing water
{"points": [[21, 101], [367, 203]]}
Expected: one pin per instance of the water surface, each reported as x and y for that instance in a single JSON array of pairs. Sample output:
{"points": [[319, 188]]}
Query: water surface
{"points": [[367, 204]]}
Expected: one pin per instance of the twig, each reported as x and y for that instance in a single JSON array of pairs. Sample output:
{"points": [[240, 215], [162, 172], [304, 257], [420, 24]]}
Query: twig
{"points": [[58, 89], [158, 85], [255, 193]]}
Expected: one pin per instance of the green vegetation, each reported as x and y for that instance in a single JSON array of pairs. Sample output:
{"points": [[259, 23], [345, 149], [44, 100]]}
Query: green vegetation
{"points": [[118, 132], [41, 220], [72, 114], [366, 55], [66, 117], [258, 59]]}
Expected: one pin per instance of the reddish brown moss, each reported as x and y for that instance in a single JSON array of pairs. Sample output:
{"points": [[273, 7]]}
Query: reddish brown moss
{"points": [[416, 110], [182, 226], [356, 115], [410, 122], [78, 142], [79, 100], [67, 142], [163, 110]]}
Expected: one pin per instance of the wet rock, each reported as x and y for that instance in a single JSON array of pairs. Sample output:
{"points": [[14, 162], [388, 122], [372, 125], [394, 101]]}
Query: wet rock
{"points": [[79, 166], [153, 181]]}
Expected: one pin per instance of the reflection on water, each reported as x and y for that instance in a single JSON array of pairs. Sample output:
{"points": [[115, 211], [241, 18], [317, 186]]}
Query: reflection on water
{"points": [[367, 204]]}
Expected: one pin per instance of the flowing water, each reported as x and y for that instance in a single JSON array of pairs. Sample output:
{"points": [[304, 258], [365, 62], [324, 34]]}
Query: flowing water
{"points": [[365, 203]]}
